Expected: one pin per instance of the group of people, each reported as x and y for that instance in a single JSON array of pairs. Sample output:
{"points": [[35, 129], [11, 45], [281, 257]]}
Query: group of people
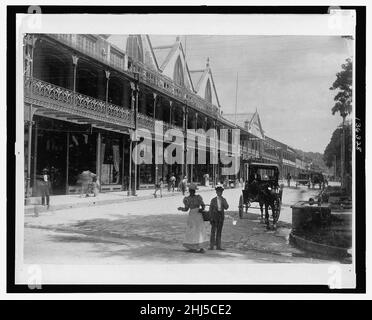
{"points": [[159, 185], [87, 179], [196, 239]]}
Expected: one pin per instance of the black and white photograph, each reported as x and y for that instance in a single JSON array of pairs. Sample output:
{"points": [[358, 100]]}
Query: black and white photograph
{"points": [[190, 149]]}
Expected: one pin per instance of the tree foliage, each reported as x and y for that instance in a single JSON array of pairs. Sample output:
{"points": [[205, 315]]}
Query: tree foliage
{"points": [[343, 84], [334, 149]]}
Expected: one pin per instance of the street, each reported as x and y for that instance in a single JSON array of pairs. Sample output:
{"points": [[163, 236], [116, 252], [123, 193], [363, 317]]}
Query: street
{"points": [[152, 230]]}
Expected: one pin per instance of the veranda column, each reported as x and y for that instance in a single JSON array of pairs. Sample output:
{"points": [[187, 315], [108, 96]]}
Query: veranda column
{"points": [[30, 41], [171, 123], [195, 151], [154, 149], [132, 105], [107, 74], [184, 124], [136, 92], [123, 163], [35, 156], [67, 157], [98, 156], [215, 153], [75, 60]]}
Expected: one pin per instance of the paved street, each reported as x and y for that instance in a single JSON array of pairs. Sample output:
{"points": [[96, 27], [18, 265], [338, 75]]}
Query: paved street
{"points": [[153, 230]]}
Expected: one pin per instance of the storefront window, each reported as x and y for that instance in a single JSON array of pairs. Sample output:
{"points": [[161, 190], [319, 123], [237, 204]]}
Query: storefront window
{"points": [[111, 151]]}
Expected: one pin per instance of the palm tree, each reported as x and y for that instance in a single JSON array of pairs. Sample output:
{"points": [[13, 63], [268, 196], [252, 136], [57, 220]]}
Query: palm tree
{"points": [[343, 105]]}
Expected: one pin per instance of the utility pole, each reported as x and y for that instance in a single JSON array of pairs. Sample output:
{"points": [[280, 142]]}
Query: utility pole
{"points": [[136, 77], [236, 94]]}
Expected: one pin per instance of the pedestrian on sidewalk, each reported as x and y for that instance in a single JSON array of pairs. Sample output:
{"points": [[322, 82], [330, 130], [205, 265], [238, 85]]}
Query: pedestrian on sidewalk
{"points": [[86, 179], [159, 187], [289, 179], [172, 180], [217, 209], [44, 187], [196, 239], [183, 185], [95, 186]]}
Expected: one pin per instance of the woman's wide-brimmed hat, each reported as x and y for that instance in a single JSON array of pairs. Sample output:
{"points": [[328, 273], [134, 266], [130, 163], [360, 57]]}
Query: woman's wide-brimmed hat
{"points": [[219, 187], [193, 187]]}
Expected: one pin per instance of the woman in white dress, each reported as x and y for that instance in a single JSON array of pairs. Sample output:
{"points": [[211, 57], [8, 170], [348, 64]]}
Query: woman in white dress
{"points": [[196, 239]]}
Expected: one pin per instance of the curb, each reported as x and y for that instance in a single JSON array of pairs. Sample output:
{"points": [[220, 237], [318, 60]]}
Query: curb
{"points": [[318, 248], [36, 209]]}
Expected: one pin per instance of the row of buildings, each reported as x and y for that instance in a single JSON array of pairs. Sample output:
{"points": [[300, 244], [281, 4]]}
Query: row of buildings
{"points": [[85, 94]]}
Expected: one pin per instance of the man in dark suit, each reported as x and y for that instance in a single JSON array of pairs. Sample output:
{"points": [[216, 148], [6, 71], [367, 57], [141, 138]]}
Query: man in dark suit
{"points": [[217, 209]]}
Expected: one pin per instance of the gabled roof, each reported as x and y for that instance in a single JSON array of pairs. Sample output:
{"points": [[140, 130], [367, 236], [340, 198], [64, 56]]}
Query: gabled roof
{"points": [[198, 77], [153, 56], [165, 53], [246, 120], [242, 119]]}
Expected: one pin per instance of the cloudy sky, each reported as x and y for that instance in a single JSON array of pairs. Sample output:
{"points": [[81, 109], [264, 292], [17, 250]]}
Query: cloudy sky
{"points": [[287, 78]]}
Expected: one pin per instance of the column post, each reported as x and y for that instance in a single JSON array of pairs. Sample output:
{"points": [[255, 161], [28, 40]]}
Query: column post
{"points": [[122, 163], [136, 91], [75, 60], [67, 157], [107, 74], [154, 149], [196, 149], [30, 41], [184, 167], [98, 156], [215, 154]]}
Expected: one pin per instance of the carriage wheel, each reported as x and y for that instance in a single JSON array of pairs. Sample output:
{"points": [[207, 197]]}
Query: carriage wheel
{"points": [[278, 208], [241, 207]]}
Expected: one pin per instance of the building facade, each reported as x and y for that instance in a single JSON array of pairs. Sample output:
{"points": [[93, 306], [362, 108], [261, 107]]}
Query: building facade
{"points": [[84, 95]]}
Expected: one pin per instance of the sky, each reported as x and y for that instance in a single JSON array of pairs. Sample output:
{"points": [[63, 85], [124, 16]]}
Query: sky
{"points": [[286, 78]]}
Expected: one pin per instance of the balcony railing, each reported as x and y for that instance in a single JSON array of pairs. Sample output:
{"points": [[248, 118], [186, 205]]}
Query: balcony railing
{"points": [[64, 100], [147, 75]]}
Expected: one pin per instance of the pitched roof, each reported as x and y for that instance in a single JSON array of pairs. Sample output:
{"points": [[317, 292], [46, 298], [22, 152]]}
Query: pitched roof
{"points": [[163, 54], [196, 76], [241, 118]]}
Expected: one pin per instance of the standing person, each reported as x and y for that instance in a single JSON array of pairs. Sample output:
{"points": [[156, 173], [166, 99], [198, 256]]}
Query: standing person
{"points": [[196, 239], [44, 187], [159, 187], [86, 179], [184, 185], [96, 186], [289, 179], [217, 215], [172, 182]]}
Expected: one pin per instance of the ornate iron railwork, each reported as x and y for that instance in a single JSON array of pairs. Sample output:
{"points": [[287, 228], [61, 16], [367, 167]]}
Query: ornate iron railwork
{"points": [[147, 75], [60, 99]]}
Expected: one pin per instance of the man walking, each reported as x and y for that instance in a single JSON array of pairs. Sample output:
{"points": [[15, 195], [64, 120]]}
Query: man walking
{"points": [[289, 179], [172, 182], [44, 186], [217, 209]]}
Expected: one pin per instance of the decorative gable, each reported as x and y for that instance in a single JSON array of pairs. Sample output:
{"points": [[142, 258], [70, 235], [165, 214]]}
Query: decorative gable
{"points": [[255, 127], [175, 66]]}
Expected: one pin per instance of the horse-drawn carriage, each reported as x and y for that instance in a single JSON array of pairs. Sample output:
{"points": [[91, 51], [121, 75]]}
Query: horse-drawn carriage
{"points": [[262, 186], [317, 178], [304, 179]]}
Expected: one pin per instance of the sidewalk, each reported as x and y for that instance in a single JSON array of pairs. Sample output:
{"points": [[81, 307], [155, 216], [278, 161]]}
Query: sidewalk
{"points": [[70, 201]]}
